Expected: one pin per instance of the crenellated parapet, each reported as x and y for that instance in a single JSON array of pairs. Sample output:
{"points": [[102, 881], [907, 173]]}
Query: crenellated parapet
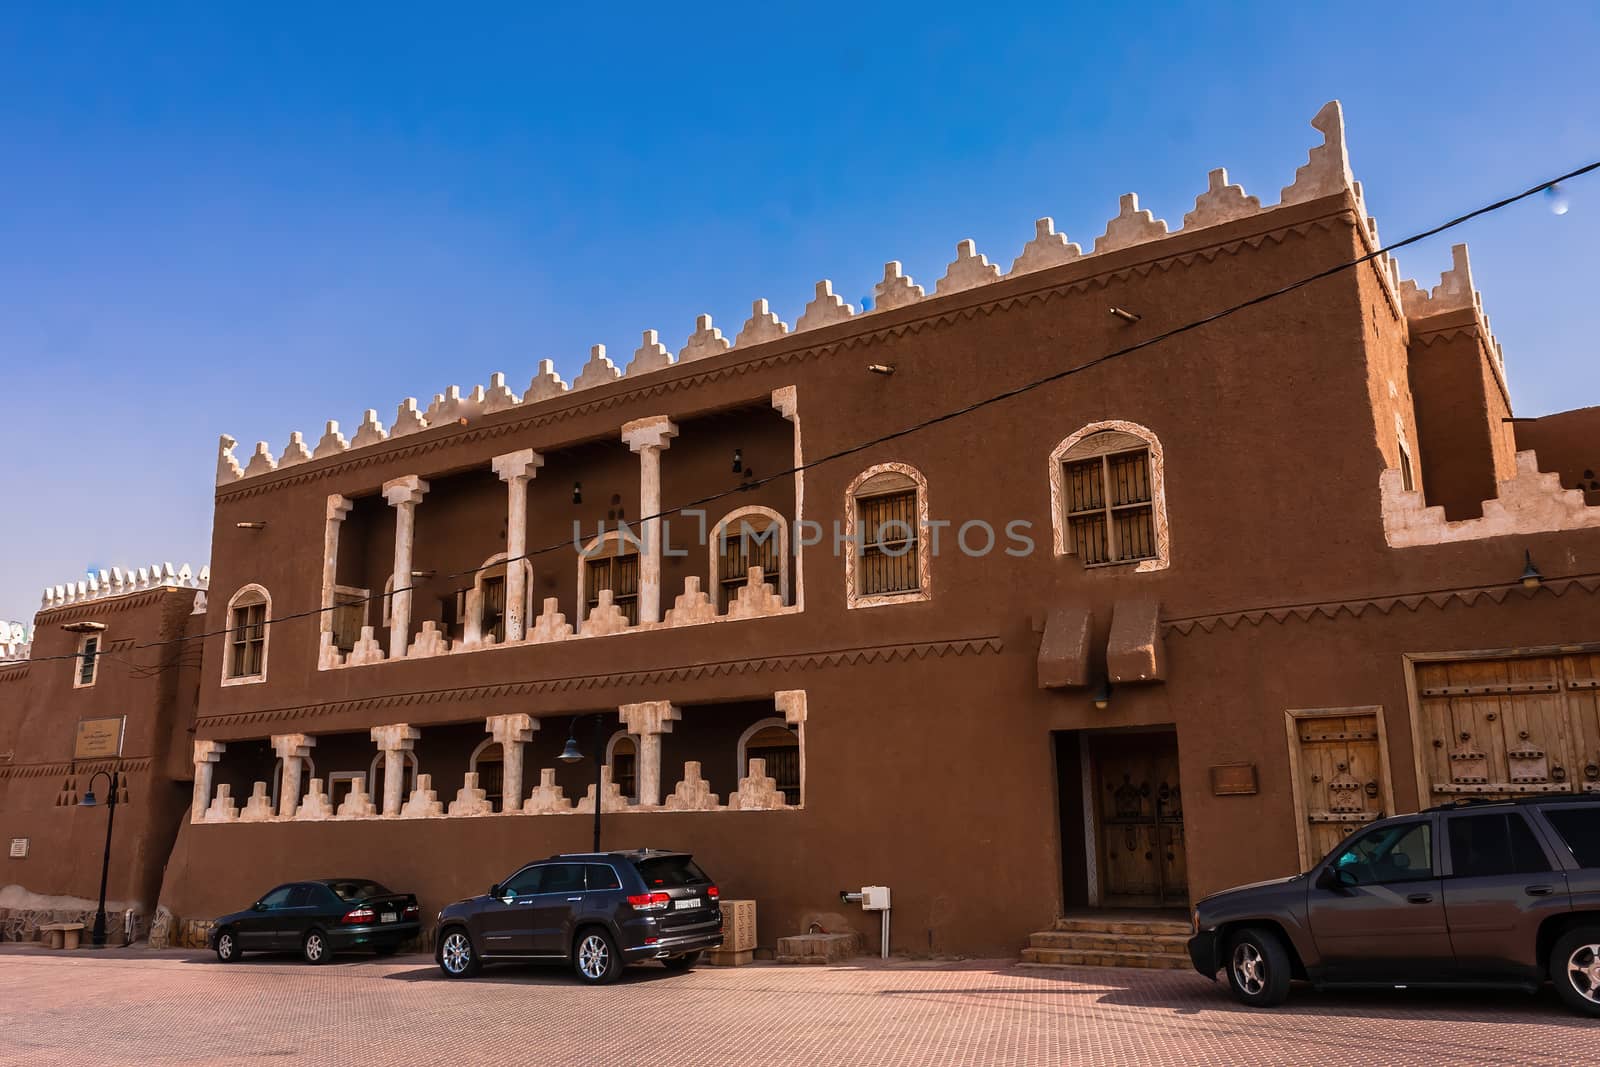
{"points": [[1455, 292], [99, 585], [16, 641], [1326, 172]]}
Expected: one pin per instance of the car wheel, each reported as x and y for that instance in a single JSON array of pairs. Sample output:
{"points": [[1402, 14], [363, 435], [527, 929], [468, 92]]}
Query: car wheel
{"points": [[1258, 968], [314, 949], [681, 963], [455, 955], [1575, 969], [228, 947], [594, 957]]}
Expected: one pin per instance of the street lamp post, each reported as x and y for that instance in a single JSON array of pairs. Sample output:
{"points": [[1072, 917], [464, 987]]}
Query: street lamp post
{"points": [[98, 937], [572, 754]]}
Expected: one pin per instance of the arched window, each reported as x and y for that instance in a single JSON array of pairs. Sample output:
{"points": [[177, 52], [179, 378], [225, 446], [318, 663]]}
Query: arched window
{"points": [[773, 740], [886, 526], [622, 756], [309, 772], [249, 614], [1108, 497], [749, 537], [486, 605], [408, 776], [610, 561], [488, 762]]}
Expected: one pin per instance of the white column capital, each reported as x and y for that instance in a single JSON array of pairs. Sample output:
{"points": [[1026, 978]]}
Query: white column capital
{"points": [[288, 745], [338, 507], [650, 717], [508, 729], [209, 751], [407, 490], [397, 737], [792, 703], [656, 432], [786, 402], [513, 465]]}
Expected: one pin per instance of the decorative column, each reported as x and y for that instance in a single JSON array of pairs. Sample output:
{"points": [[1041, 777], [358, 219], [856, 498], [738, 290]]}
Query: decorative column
{"points": [[648, 721], [650, 437], [786, 402], [515, 468], [791, 703], [511, 732], [293, 750], [394, 742], [338, 508], [403, 494], [206, 756]]}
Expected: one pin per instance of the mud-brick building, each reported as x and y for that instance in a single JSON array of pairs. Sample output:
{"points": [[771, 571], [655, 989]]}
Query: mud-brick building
{"points": [[1151, 626], [107, 685]]}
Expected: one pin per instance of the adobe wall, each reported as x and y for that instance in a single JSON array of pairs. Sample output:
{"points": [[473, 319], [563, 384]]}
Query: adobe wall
{"points": [[1569, 444]]}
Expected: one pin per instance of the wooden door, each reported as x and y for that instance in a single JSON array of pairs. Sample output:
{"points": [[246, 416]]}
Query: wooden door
{"points": [[1508, 726], [1139, 820], [1342, 781]]}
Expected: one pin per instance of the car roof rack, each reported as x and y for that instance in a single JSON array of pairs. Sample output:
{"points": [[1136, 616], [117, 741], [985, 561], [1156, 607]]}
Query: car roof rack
{"points": [[1540, 798]]}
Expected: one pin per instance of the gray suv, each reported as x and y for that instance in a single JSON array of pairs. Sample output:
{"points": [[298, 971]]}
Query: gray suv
{"points": [[1478, 893], [598, 911]]}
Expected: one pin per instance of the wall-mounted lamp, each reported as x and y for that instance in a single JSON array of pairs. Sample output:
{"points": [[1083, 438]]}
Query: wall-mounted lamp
{"points": [[1101, 695], [577, 492], [881, 368], [83, 627], [1531, 578], [738, 461], [1125, 315], [254, 525]]}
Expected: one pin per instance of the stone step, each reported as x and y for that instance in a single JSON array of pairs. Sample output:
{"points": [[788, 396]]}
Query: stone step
{"points": [[1122, 927], [1110, 942], [1050, 957]]}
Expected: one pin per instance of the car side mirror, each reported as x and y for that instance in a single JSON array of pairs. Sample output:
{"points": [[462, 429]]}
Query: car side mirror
{"points": [[1334, 879], [494, 890], [258, 906]]}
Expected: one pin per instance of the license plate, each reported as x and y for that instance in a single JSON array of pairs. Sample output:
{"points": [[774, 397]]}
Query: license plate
{"points": [[389, 917], [685, 905]]}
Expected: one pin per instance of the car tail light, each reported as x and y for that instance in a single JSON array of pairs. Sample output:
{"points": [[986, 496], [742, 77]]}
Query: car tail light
{"points": [[650, 902], [651, 940], [359, 915], [714, 893], [412, 911]]}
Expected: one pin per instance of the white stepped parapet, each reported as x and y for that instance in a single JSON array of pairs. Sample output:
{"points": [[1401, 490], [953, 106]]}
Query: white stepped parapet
{"points": [[762, 325], [1131, 226], [408, 419], [332, 442], [598, 371], [370, 432], [1327, 171], [261, 462], [499, 397], [1454, 292], [451, 406], [825, 310], [967, 271], [228, 469], [896, 290], [1047, 249], [295, 451], [1220, 203], [706, 340], [101, 585], [545, 384], [651, 355]]}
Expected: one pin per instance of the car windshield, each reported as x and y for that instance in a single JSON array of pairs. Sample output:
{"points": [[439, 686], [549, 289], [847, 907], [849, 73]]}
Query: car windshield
{"points": [[357, 889], [670, 872], [1397, 853]]}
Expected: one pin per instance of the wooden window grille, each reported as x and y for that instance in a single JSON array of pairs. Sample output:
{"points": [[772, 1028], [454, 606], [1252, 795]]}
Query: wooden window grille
{"points": [[888, 525], [781, 750], [625, 768], [1110, 507], [349, 616], [744, 546], [494, 608], [248, 639], [88, 660], [620, 574]]}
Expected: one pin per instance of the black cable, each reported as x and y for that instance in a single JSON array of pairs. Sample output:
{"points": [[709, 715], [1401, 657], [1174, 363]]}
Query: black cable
{"points": [[966, 409]]}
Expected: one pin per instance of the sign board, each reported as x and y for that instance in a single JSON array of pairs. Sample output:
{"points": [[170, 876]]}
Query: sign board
{"points": [[1233, 779], [98, 738], [19, 848]]}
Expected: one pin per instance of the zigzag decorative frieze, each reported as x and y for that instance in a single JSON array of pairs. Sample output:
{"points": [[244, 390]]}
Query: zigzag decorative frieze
{"points": [[60, 768], [1383, 605], [970, 646]]}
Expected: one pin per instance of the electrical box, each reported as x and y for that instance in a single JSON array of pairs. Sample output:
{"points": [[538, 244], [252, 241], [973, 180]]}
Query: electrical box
{"points": [[874, 898]]}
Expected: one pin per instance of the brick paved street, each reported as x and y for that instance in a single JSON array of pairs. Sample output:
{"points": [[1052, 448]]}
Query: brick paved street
{"points": [[137, 1007]]}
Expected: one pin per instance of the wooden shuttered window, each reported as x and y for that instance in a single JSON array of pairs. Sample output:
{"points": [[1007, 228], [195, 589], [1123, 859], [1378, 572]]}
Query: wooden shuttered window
{"points": [[494, 607], [888, 526], [248, 640], [1110, 507], [620, 574], [349, 616]]}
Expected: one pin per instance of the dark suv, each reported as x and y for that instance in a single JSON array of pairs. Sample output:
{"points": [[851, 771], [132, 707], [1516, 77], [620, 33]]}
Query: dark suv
{"points": [[599, 911], [1479, 893]]}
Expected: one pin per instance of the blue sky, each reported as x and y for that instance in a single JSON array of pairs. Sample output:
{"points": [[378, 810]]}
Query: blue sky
{"points": [[253, 218]]}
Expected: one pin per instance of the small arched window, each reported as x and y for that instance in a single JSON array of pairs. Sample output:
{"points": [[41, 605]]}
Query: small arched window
{"points": [[776, 742], [1109, 497], [886, 519], [749, 537], [622, 756], [488, 763], [610, 561], [249, 614], [486, 608]]}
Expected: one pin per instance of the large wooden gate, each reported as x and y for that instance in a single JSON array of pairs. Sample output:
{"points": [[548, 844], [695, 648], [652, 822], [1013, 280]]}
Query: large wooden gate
{"points": [[1505, 726], [1340, 766], [1139, 816]]}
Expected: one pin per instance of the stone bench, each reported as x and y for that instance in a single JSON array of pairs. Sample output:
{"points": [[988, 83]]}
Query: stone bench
{"points": [[61, 935]]}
